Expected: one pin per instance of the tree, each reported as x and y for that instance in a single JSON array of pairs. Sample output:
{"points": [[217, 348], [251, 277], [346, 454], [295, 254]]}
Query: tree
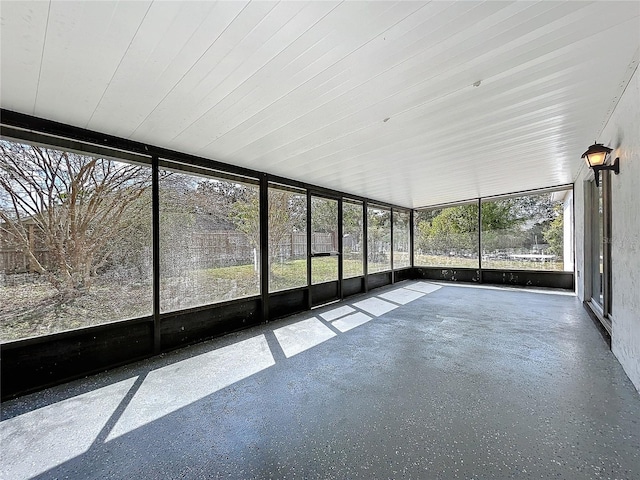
{"points": [[453, 228], [80, 207], [217, 198], [352, 220], [554, 233], [324, 225], [246, 216], [198, 224], [502, 222], [324, 216], [511, 223], [378, 234], [456, 228], [400, 231], [286, 211]]}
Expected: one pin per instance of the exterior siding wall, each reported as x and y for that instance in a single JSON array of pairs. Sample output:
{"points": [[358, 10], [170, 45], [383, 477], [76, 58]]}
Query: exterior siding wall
{"points": [[622, 133]]}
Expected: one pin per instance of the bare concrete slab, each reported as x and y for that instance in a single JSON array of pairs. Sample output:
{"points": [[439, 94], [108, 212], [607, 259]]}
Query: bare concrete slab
{"points": [[456, 383]]}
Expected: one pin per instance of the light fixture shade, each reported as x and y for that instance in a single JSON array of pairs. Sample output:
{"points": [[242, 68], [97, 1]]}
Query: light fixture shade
{"points": [[596, 155]]}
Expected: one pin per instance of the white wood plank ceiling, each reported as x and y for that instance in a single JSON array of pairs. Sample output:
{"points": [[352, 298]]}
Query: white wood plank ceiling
{"points": [[371, 98]]}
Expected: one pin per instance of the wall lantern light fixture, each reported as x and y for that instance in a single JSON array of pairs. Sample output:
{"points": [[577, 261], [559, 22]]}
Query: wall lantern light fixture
{"points": [[597, 157]]}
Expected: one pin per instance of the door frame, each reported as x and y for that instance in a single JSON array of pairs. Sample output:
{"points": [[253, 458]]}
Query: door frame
{"points": [[596, 226]]}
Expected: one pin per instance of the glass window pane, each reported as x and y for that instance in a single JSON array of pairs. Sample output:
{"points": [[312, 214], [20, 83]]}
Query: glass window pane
{"points": [[324, 269], [401, 256], [287, 239], [324, 239], [75, 241], [525, 233], [601, 247], [352, 231], [378, 239], [209, 240], [597, 232], [447, 237]]}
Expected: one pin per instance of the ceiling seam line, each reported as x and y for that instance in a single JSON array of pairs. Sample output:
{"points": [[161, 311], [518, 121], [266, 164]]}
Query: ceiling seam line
{"points": [[606, 123], [421, 82], [235, 45], [318, 74], [382, 73], [263, 66], [189, 70], [395, 94], [44, 44], [115, 72], [406, 110], [618, 101], [234, 71]]}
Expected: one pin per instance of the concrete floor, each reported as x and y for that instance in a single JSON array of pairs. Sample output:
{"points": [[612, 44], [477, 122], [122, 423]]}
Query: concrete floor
{"points": [[416, 380]]}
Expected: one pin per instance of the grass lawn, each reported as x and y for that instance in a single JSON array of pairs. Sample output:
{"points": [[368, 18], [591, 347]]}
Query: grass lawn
{"points": [[323, 269], [34, 308], [445, 261]]}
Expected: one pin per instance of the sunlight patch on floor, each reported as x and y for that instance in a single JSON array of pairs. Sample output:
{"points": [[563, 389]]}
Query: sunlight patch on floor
{"points": [[174, 386], [302, 335], [44, 438], [331, 315], [401, 295], [423, 287], [354, 320], [375, 306]]}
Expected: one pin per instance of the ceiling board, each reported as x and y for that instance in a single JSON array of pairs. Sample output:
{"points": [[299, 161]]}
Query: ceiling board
{"points": [[26, 23], [302, 89], [85, 43]]}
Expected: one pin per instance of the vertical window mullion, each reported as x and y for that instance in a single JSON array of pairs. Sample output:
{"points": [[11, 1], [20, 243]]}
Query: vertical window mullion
{"points": [[340, 248], [365, 245], [155, 229], [264, 246], [309, 252], [391, 242]]}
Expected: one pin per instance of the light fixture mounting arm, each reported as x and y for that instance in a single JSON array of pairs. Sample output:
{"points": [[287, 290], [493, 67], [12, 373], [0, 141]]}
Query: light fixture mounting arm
{"points": [[615, 167]]}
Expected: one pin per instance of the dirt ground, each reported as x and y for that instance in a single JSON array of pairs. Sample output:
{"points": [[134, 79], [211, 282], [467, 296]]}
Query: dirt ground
{"points": [[35, 308]]}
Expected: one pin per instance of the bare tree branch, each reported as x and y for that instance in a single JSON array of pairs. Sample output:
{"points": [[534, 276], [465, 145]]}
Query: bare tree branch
{"points": [[79, 207]]}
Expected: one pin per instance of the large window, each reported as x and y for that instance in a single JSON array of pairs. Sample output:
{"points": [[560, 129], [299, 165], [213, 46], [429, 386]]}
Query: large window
{"points": [[525, 232], [447, 237], [401, 258], [75, 240], [287, 238], [352, 233], [209, 240], [378, 239]]}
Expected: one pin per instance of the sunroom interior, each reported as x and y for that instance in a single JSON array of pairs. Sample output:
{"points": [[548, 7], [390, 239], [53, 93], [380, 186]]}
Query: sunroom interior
{"points": [[174, 171]]}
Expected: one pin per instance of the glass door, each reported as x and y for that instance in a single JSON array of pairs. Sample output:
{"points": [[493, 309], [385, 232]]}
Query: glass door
{"points": [[324, 250], [600, 253]]}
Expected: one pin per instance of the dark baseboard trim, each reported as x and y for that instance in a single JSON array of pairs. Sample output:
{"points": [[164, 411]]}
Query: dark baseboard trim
{"points": [[602, 324]]}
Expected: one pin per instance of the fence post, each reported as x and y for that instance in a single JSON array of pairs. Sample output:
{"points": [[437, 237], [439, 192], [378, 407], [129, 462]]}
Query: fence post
{"points": [[32, 244]]}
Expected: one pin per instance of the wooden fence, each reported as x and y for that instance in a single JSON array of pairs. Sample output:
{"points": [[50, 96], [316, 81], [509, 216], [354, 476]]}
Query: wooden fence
{"points": [[13, 260], [295, 245], [197, 251]]}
